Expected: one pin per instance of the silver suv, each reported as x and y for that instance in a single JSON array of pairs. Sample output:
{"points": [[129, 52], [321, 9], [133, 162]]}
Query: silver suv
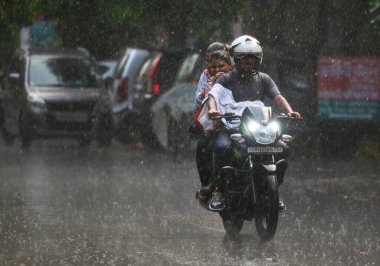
{"points": [[54, 93], [121, 87]]}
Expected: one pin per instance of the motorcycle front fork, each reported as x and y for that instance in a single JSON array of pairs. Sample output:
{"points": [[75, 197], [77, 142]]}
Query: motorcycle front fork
{"points": [[269, 168], [254, 199]]}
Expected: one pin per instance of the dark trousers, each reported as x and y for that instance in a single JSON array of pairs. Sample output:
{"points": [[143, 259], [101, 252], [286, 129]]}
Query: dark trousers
{"points": [[204, 158], [221, 155]]}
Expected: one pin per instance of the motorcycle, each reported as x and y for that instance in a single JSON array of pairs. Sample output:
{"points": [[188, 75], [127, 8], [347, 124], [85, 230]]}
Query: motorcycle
{"points": [[250, 183]]}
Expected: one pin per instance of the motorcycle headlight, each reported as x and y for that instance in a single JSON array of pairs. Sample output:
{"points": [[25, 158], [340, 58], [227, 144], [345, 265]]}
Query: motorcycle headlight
{"points": [[264, 134], [36, 104]]}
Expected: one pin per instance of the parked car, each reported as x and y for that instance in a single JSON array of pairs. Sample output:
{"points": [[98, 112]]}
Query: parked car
{"points": [[54, 93], [155, 76], [120, 86], [173, 112]]}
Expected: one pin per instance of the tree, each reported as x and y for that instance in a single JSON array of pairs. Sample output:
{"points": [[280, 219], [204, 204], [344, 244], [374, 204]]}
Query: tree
{"points": [[106, 26]]}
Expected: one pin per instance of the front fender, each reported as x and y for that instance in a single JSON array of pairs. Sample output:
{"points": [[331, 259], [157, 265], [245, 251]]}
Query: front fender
{"points": [[272, 183], [261, 171], [269, 168]]}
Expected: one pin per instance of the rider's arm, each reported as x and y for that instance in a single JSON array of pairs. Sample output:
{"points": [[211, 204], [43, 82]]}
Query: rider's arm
{"points": [[283, 104]]}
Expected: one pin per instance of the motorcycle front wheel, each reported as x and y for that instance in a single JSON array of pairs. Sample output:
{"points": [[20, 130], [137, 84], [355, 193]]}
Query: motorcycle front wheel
{"points": [[232, 224], [266, 220]]}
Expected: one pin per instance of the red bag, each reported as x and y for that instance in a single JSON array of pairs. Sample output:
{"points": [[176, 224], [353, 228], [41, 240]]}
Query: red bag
{"points": [[201, 119]]}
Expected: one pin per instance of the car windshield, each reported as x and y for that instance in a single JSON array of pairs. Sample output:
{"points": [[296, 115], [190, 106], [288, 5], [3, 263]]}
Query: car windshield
{"points": [[61, 71]]}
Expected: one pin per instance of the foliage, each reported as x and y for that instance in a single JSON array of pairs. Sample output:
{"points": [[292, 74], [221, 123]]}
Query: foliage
{"points": [[106, 26], [375, 10]]}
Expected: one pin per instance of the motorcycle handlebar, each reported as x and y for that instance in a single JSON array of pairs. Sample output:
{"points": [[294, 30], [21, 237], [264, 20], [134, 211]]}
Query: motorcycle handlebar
{"points": [[227, 116], [285, 116], [232, 116]]}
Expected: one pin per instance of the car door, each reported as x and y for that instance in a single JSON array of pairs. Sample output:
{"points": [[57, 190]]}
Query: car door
{"points": [[142, 79], [14, 93]]}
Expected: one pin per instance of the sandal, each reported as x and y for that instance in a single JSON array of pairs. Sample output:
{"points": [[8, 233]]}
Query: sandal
{"points": [[203, 194]]}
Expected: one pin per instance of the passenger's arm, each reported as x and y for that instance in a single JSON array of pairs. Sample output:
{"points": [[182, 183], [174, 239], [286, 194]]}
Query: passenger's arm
{"points": [[283, 104], [212, 107]]}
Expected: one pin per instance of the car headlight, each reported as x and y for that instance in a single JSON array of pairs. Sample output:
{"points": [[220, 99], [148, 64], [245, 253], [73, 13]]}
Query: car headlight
{"points": [[264, 134], [36, 104]]}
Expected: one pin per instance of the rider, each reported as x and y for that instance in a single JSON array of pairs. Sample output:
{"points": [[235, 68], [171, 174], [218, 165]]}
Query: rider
{"points": [[246, 84]]}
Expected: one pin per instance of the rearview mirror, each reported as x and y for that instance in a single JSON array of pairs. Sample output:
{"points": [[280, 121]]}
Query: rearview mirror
{"points": [[15, 79], [14, 76]]}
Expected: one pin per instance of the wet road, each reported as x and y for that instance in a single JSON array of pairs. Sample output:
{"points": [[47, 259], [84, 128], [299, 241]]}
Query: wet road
{"points": [[61, 205]]}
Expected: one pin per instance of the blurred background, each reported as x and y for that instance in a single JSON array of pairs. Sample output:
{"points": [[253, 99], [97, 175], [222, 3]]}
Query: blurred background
{"points": [[120, 76], [323, 54]]}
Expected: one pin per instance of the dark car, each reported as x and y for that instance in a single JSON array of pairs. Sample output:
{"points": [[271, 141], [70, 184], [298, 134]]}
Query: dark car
{"points": [[54, 93], [173, 112], [155, 76]]}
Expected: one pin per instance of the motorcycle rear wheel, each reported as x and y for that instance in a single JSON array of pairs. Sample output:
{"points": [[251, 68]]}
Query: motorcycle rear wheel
{"points": [[266, 221], [232, 224], [103, 129]]}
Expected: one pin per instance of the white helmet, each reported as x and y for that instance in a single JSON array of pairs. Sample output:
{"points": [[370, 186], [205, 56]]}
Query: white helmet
{"points": [[246, 45]]}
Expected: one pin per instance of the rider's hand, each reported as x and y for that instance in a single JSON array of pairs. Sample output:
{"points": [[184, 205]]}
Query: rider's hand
{"points": [[213, 113], [296, 115]]}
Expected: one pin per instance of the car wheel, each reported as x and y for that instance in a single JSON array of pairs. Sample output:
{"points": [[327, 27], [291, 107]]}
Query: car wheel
{"points": [[84, 142], [103, 130], [7, 137], [25, 129]]}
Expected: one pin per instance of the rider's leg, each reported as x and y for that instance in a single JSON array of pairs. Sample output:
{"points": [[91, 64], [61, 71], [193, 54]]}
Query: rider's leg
{"points": [[221, 157], [204, 159]]}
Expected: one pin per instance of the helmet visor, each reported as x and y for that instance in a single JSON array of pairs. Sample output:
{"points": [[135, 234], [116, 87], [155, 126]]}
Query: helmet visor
{"points": [[246, 57]]}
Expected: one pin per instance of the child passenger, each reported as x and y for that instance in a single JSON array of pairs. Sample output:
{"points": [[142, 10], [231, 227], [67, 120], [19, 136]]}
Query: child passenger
{"points": [[216, 46], [220, 63]]}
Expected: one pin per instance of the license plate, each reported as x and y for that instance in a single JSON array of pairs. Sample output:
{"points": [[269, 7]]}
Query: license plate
{"points": [[72, 117], [265, 150]]}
